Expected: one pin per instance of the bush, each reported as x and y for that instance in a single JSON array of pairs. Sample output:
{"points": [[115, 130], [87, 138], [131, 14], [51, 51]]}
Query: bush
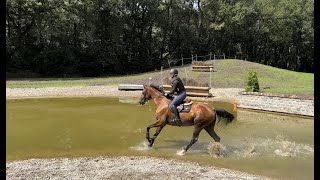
{"points": [[251, 83]]}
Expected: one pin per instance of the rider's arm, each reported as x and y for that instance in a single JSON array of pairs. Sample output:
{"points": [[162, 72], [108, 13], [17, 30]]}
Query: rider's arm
{"points": [[174, 87]]}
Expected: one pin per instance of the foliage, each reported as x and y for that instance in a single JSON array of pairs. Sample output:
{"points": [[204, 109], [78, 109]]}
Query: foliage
{"points": [[252, 83], [95, 37]]}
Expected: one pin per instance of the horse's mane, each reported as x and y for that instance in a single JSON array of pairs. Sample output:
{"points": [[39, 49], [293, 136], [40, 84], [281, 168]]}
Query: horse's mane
{"points": [[158, 88]]}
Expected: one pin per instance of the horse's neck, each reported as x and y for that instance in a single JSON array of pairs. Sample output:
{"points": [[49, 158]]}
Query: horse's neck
{"points": [[157, 97], [159, 100]]}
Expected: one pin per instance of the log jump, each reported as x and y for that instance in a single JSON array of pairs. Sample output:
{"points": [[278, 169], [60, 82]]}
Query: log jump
{"points": [[201, 68], [193, 90]]}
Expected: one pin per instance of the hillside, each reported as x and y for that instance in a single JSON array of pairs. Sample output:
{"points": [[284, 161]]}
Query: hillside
{"points": [[227, 74]]}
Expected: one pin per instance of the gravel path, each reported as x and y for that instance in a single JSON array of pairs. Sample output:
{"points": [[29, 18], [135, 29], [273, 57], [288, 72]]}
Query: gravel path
{"points": [[68, 91], [135, 168], [225, 94]]}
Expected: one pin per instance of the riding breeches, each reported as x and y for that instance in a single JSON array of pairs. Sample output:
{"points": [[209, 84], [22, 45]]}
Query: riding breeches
{"points": [[177, 100]]}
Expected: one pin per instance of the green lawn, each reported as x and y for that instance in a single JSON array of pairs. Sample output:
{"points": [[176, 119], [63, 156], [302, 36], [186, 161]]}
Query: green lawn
{"points": [[227, 74]]}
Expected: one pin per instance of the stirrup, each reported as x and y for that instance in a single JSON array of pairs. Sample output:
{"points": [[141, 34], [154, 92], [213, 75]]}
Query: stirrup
{"points": [[177, 122]]}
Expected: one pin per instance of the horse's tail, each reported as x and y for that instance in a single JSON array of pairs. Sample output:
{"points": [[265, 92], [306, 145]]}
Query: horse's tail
{"points": [[225, 115]]}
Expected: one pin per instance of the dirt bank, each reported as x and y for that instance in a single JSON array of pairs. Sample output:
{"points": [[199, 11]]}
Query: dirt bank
{"points": [[118, 168]]}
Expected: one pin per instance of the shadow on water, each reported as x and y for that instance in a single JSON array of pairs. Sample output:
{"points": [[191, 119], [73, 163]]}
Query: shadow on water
{"points": [[268, 144]]}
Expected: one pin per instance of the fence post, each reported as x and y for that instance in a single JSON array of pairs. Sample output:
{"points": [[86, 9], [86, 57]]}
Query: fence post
{"points": [[210, 55], [214, 56], [185, 70], [150, 78], [182, 60], [224, 56], [210, 77], [161, 76]]}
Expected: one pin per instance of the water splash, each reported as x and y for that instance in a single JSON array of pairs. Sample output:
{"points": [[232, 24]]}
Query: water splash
{"points": [[181, 153], [250, 147], [286, 148], [142, 146], [219, 150]]}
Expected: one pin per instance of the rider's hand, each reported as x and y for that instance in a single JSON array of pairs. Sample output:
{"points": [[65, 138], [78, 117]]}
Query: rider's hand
{"points": [[166, 94]]}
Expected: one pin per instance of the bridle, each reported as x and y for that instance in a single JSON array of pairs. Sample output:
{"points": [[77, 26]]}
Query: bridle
{"points": [[146, 97]]}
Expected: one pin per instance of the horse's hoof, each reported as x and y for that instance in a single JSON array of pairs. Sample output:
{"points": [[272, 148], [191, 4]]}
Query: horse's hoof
{"points": [[182, 152]]}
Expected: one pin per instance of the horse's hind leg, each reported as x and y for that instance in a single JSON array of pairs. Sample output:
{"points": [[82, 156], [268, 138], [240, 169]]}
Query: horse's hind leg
{"points": [[213, 134], [194, 139]]}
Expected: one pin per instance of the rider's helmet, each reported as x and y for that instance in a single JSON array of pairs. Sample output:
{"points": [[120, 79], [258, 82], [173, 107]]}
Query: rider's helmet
{"points": [[173, 72]]}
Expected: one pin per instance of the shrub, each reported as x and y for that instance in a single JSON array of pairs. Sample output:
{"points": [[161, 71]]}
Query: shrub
{"points": [[251, 83]]}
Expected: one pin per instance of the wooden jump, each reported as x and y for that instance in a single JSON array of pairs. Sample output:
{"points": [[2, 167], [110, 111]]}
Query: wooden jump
{"points": [[129, 87], [202, 68], [193, 90]]}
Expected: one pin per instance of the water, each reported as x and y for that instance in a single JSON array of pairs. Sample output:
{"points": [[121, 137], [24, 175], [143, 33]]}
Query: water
{"points": [[257, 142]]}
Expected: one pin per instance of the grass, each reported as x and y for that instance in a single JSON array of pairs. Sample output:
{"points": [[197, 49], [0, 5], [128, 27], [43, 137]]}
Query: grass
{"points": [[227, 74]]}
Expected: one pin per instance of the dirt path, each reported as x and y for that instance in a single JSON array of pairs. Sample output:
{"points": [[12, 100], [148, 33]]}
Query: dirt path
{"points": [[218, 93]]}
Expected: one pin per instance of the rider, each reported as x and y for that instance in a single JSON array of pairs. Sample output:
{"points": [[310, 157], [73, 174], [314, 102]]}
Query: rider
{"points": [[178, 87]]}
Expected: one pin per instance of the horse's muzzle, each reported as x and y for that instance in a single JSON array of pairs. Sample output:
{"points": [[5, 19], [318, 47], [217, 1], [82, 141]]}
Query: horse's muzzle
{"points": [[142, 102]]}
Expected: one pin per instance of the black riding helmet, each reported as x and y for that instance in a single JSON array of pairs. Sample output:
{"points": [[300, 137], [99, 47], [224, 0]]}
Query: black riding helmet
{"points": [[173, 71]]}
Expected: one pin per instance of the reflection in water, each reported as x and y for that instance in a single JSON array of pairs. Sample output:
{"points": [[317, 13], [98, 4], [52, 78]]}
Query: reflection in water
{"points": [[257, 142]]}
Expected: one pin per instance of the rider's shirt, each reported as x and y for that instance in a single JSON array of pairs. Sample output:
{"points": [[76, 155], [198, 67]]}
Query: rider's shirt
{"points": [[177, 86]]}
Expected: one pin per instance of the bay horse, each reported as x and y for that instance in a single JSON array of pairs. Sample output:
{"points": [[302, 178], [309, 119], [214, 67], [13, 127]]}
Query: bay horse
{"points": [[201, 116]]}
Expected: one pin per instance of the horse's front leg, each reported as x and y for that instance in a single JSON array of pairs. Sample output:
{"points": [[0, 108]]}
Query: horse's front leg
{"points": [[151, 140], [155, 124], [148, 133], [148, 129]]}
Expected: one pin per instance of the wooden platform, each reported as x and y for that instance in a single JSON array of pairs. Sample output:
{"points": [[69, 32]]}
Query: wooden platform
{"points": [[193, 91], [202, 68], [129, 87]]}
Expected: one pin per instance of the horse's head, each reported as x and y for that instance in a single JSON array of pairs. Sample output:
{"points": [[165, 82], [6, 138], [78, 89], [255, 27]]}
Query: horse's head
{"points": [[145, 95]]}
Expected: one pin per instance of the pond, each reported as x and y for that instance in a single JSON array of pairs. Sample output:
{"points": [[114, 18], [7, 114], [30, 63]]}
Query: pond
{"points": [[256, 142]]}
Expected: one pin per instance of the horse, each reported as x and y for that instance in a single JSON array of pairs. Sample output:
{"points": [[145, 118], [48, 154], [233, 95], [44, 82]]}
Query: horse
{"points": [[201, 116]]}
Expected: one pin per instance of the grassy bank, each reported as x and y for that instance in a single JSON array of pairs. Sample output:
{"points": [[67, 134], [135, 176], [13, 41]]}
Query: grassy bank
{"points": [[227, 74]]}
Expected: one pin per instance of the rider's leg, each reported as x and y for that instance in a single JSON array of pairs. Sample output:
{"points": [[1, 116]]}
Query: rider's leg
{"points": [[174, 110], [173, 107]]}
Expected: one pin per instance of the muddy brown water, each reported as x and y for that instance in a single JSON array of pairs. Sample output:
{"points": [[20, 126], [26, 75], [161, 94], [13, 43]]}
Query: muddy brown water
{"points": [[267, 144]]}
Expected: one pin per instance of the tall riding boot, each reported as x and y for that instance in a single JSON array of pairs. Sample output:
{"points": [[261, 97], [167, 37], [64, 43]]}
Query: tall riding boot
{"points": [[176, 120]]}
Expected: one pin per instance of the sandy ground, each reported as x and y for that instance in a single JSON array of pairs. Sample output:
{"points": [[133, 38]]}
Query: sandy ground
{"points": [[135, 168], [107, 167], [11, 93]]}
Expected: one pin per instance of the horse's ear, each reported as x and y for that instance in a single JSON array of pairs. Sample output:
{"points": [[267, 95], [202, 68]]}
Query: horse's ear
{"points": [[145, 86]]}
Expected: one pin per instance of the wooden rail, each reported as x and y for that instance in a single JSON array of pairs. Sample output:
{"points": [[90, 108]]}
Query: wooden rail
{"points": [[202, 68], [192, 90], [129, 87]]}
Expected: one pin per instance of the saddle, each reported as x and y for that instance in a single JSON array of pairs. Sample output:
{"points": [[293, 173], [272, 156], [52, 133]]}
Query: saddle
{"points": [[184, 107]]}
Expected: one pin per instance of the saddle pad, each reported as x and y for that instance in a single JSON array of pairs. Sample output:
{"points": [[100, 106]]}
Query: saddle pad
{"points": [[184, 107]]}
